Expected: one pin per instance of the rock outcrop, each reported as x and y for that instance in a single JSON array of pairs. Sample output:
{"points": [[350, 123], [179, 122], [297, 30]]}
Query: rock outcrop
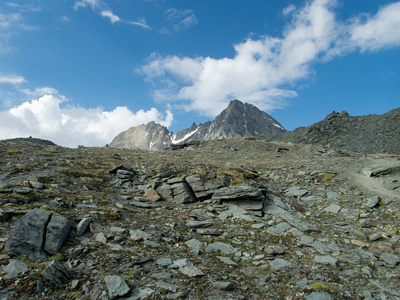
{"points": [[364, 134]]}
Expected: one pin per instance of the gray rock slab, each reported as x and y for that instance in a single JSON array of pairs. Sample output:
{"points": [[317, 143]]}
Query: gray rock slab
{"points": [[197, 183], [326, 260], [373, 202], [222, 285], [194, 245], [82, 226], [321, 247], [101, 238], [221, 247], [279, 228], [142, 294], [239, 191], [296, 191], [390, 259], [255, 204], [187, 268], [258, 226], [239, 212], [116, 286], [182, 194], [165, 192], [275, 249], [14, 269], [167, 286], [375, 236], [280, 264], [56, 273], [137, 234], [27, 236], [319, 296], [333, 208], [209, 231], [199, 224], [227, 260], [57, 231], [332, 196], [293, 220], [164, 262]]}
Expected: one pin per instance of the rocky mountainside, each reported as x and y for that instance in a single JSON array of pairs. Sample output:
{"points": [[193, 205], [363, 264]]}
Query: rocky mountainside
{"points": [[364, 134], [237, 120], [151, 136], [220, 219]]}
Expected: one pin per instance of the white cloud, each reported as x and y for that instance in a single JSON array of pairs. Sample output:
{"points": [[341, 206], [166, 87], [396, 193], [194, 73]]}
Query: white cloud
{"points": [[24, 7], [84, 3], [109, 14], [71, 126], [40, 91], [379, 31], [103, 9], [179, 19], [12, 79], [141, 22], [11, 24], [65, 18], [262, 69], [289, 9]]}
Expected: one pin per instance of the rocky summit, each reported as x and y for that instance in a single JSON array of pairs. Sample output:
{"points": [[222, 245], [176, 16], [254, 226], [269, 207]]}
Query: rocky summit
{"points": [[219, 219], [365, 134], [237, 120]]}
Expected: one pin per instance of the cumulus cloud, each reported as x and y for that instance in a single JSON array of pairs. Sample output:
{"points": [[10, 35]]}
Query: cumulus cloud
{"points": [[263, 68], [50, 117], [379, 31]]}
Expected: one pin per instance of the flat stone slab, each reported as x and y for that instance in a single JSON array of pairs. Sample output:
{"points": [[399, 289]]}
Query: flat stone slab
{"points": [[116, 286], [280, 264], [390, 259], [333, 208], [199, 224], [187, 268], [220, 247], [14, 269], [246, 196], [326, 260]]}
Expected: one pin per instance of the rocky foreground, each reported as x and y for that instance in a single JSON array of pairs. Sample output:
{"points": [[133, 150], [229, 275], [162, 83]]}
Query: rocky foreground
{"points": [[231, 219]]}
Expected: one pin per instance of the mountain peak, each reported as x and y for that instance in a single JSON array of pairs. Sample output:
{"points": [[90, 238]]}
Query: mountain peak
{"points": [[238, 119]]}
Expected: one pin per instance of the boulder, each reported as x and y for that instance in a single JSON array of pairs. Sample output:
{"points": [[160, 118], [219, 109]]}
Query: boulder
{"points": [[38, 234], [27, 237], [57, 231]]}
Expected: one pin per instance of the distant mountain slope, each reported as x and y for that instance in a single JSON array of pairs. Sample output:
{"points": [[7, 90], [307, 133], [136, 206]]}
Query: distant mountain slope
{"points": [[364, 134], [238, 119], [151, 136]]}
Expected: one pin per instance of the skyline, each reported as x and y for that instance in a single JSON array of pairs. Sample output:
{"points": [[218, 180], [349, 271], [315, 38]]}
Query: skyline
{"points": [[81, 72]]}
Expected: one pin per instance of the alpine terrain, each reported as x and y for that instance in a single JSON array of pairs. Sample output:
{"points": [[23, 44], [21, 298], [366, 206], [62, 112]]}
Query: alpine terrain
{"points": [[237, 120]]}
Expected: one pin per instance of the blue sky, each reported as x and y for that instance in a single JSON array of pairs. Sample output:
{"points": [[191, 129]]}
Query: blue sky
{"points": [[80, 72]]}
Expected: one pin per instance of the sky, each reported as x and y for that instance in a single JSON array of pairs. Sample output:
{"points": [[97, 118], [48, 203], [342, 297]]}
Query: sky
{"points": [[79, 72]]}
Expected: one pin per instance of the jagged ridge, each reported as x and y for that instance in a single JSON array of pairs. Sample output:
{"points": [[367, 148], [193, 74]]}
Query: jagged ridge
{"points": [[237, 120]]}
